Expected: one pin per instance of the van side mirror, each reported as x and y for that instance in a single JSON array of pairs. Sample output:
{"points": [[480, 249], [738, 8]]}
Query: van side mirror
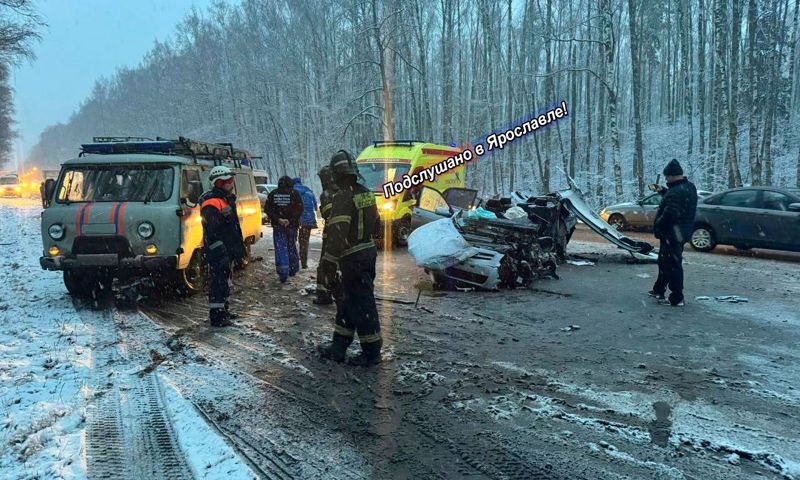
{"points": [[195, 190], [794, 207], [49, 190]]}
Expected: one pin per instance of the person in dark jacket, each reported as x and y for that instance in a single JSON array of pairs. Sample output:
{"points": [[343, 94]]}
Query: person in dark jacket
{"points": [[308, 220], [673, 227], [353, 222], [284, 208], [327, 284], [222, 241]]}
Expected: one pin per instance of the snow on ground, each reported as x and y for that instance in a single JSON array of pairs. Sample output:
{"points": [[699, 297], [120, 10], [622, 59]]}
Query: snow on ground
{"points": [[209, 456], [45, 359], [47, 367]]}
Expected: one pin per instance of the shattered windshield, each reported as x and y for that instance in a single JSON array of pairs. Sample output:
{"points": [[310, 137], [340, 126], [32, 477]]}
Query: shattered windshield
{"points": [[116, 183], [376, 174]]}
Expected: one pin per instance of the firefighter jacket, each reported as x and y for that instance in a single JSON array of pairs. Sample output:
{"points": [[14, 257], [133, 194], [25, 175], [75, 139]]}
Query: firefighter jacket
{"points": [[222, 233], [353, 221], [326, 204]]}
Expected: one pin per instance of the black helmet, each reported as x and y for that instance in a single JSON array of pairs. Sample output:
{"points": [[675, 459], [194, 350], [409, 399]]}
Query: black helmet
{"points": [[343, 163], [326, 178]]}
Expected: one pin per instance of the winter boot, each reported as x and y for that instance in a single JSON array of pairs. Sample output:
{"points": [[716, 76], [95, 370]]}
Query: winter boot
{"points": [[656, 295], [323, 299], [335, 350], [219, 318], [674, 303], [370, 355], [228, 314]]}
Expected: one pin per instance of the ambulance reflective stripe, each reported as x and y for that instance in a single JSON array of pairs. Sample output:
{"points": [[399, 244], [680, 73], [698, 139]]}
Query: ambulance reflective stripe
{"points": [[369, 338], [339, 219], [345, 332]]}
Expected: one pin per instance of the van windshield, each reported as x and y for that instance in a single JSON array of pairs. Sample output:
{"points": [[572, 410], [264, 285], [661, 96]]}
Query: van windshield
{"points": [[377, 173], [9, 180], [116, 183]]}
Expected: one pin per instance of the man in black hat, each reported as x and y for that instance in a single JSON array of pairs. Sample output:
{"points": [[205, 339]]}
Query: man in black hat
{"points": [[673, 226]]}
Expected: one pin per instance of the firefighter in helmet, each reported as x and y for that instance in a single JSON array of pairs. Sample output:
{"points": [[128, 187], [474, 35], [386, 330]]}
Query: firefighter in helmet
{"points": [[222, 240], [353, 222], [326, 270]]}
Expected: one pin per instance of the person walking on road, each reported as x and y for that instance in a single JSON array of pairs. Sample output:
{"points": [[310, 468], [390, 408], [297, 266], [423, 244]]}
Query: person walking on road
{"points": [[673, 227], [326, 269], [284, 207], [352, 224], [222, 241], [308, 220]]}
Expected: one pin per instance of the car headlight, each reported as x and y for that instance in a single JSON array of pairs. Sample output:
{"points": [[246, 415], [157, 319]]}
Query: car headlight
{"points": [[56, 231], [145, 230], [388, 206]]}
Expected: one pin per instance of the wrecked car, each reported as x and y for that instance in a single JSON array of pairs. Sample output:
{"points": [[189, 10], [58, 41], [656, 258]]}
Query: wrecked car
{"points": [[506, 243], [546, 212], [465, 247]]}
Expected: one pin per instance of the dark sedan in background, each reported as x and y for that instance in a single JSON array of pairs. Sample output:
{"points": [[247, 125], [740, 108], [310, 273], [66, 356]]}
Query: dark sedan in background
{"points": [[749, 217]]}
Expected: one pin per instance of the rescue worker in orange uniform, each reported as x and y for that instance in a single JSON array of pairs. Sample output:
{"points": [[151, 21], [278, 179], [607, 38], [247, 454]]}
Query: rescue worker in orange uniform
{"points": [[222, 239]]}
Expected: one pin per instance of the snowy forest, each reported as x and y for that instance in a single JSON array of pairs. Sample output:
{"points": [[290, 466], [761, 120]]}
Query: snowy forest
{"points": [[19, 31], [712, 83]]}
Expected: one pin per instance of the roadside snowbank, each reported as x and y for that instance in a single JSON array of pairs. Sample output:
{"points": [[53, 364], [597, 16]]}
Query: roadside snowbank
{"points": [[45, 359]]}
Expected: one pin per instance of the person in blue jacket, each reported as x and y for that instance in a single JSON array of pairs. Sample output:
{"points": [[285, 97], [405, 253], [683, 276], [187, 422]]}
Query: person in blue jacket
{"points": [[308, 220]]}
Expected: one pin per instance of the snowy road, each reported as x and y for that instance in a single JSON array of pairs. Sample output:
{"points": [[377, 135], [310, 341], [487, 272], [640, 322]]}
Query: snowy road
{"points": [[478, 385]]}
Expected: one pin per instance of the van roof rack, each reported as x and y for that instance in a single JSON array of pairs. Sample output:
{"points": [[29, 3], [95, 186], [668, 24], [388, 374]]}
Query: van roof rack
{"points": [[218, 152], [387, 143]]}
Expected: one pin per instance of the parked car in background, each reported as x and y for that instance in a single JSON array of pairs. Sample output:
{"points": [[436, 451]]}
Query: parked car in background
{"points": [[263, 190], [10, 186], [749, 217], [637, 215]]}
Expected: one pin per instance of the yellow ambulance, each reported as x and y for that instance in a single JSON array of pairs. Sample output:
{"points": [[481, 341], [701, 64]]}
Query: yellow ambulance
{"points": [[389, 161]]}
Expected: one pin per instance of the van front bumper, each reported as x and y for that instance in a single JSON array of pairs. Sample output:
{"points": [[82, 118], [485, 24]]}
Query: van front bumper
{"points": [[111, 260]]}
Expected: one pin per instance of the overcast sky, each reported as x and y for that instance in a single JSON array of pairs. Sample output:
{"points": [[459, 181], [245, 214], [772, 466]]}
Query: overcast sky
{"points": [[85, 40]]}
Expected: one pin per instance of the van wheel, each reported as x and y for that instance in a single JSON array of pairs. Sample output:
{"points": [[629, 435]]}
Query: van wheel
{"points": [[401, 232], [79, 286], [192, 279]]}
